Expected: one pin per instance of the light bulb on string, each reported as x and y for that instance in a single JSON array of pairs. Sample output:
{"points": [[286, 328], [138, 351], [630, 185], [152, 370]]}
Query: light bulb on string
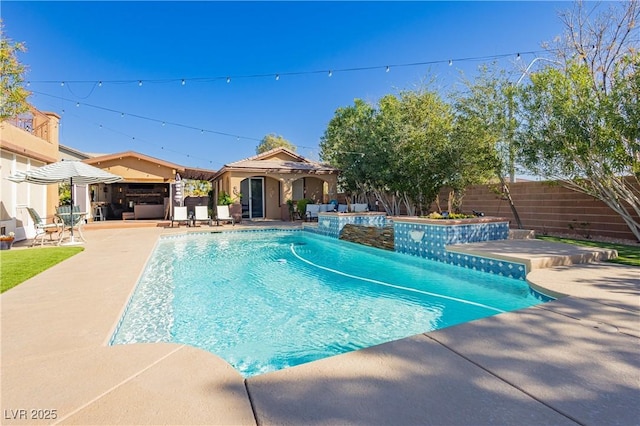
{"points": [[388, 69], [77, 104], [99, 84], [518, 57], [62, 83], [28, 83], [183, 82], [450, 62], [330, 73], [122, 114], [139, 83], [277, 77], [163, 124], [228, 79]]}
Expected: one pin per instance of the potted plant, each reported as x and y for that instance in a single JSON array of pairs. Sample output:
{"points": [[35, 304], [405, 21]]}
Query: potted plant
{"points": [[6, 241], [224, 199], [292, 209]]}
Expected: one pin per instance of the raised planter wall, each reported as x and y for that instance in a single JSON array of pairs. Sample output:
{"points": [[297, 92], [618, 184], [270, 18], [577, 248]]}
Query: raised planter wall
{"points": [[428, 239], [330, 224]]}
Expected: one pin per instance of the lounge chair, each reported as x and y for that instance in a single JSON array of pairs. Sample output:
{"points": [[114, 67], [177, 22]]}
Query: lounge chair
{"points": [[71, 222], [222, 213], [43, 229], [359, 207], [180, 215], [342, 208], [312, 212], [202, 215]]}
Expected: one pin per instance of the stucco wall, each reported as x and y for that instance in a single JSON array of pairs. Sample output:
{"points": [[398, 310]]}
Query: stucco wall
{"points": [[278, 188], [136, 170]]}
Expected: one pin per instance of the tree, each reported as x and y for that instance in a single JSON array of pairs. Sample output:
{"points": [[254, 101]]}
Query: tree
{"points": [[485, 121], [347, 144], [13, 97], [272, 141], [396, 152], [581, 119]]}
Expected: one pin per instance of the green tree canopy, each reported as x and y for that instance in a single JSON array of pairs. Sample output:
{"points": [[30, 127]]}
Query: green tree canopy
{"points": [[272, 141], [402, 151], [13, 96], [580, 120]]}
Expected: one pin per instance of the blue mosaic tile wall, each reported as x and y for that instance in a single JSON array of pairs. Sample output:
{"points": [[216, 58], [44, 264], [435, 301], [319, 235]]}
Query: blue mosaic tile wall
{"points": [[430, 241], [330, 225]]}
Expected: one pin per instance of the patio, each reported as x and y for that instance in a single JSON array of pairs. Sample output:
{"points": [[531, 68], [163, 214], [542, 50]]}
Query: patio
{"points": [[571, 361]]}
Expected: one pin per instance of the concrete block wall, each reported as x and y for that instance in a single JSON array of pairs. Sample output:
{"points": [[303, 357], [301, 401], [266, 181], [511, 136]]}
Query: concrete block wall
{"points": [[548, 208]]}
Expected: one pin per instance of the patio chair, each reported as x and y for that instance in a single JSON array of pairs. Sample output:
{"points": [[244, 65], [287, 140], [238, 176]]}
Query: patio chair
{"points": [[180, 215], [65, 216], [222, 213], [202, 215], [312, 212], [43, 229], [359, 207]]}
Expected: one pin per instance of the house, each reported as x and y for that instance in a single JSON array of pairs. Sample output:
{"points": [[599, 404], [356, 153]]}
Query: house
{"points": [[263, 183], [150, 187], [27, 141]]}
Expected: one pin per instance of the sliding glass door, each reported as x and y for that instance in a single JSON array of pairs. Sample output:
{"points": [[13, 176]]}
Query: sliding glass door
{"points": [[252, 190]]}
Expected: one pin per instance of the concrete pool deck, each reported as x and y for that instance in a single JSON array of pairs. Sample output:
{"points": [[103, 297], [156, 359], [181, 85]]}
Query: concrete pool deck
{"points": [[575, 360]]}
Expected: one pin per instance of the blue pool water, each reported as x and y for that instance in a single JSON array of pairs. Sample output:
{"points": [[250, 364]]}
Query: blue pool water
{"points": [[264, 301]]}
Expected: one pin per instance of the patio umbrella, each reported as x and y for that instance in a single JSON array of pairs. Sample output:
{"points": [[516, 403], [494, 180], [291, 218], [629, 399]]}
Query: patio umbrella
{"points": [[72, 172]]}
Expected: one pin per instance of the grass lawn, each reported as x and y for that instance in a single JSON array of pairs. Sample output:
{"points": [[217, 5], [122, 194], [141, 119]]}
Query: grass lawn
{"points": [[18, 266], [627, 255]]}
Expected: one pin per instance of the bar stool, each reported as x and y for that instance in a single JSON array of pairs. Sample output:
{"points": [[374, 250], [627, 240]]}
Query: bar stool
{"points": [[97, 213]]}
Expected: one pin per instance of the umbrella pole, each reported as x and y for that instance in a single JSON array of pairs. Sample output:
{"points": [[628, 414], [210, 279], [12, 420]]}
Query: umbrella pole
{"points": [[72, 240]]}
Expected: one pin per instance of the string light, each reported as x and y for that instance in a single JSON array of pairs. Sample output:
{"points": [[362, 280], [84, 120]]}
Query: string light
{"points": [[28, 83], [77, 104], [183, 82], [277, 77], [162, 122], [518, 57], [388, 69], [271, 75]]}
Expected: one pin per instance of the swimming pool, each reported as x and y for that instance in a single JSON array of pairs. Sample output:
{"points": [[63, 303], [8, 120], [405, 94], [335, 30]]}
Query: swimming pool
{"points": [[268, 300]]}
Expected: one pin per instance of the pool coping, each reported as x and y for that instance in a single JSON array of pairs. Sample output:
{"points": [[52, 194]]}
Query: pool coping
{"points": [[56, 358]]}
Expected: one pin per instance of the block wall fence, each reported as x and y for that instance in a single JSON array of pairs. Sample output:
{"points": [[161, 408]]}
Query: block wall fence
{"points": [[547, 208]]}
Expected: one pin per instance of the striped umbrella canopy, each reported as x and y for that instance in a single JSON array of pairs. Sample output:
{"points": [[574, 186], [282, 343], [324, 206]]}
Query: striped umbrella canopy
{"points": [[72, 172]]}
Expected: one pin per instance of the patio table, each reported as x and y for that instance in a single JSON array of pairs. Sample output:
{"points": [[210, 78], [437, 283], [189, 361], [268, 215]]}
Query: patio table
{"points": [[79, 219]]}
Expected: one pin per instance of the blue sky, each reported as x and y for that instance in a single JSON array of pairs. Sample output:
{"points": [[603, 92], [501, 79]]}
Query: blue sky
{"points": [[209, 122]]}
